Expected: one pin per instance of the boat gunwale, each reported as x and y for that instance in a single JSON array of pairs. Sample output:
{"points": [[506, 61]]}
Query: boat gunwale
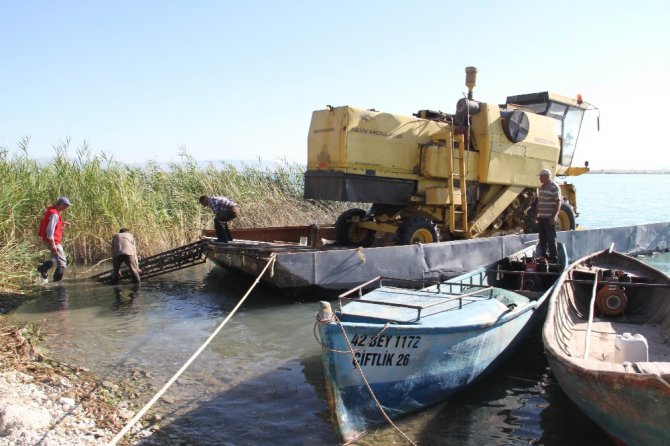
{"points": [[503, 318]]}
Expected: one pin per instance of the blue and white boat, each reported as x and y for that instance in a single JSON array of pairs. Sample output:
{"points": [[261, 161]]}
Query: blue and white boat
{"points": [[412, 348]]}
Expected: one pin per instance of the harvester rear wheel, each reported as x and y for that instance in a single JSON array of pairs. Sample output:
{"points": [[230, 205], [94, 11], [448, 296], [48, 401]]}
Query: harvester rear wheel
{"points": [[529, 225], [347, 231], [566, 218], [417, 230], [565, 221]]}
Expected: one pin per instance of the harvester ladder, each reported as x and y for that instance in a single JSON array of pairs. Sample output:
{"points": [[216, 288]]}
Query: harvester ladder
{"points": [[460, 207], [175, 259]]}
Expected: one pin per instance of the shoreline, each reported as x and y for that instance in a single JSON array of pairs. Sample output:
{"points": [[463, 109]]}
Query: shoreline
{"points": [[47, 402], [628, 172]]}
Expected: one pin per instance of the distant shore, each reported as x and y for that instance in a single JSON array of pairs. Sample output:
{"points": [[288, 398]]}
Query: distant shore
{"points": [[640, 171]]}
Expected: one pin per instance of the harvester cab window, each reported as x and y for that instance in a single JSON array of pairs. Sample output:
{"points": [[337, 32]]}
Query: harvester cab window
{"points": [[556, 110], [568, 123], [571, 125]]}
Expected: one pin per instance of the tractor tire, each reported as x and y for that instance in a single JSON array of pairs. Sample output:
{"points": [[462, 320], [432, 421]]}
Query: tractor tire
{"points": [[417, 230], [347, 232], [566, 218]]}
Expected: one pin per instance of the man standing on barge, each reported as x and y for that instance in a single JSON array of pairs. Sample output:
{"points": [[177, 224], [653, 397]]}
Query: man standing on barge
{"points": [[548, 205], [224, 210]]}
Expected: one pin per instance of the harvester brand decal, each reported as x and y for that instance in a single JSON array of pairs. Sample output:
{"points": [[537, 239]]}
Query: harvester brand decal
{"points": [[373, 132], [544, 141], [386, 359], [329, 129]]}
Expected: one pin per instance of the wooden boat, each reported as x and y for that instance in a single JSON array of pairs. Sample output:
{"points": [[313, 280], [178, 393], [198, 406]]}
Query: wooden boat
{"points": [[416, 347], [607, 339]]}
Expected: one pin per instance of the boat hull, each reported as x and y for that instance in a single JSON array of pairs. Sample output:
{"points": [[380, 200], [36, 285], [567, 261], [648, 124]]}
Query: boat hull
{"points": [[409, 369], [316, 272], [635, 412], [414, 348]]}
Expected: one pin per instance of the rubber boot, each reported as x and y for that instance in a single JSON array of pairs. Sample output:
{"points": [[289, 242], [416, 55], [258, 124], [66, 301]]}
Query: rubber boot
{"points": [[220, 227], [44, 268], [58, 274], [229, 236]]}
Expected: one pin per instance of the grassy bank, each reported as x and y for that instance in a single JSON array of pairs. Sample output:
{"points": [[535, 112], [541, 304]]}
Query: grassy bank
{"points": [[159, 205]]}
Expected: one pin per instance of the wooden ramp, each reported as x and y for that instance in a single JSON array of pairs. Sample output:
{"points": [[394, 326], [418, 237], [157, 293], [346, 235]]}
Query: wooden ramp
{"points": [[175, 259]]}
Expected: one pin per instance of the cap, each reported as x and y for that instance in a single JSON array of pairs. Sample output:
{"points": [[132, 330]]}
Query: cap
{"points": [[64, 200], [544, 172]]}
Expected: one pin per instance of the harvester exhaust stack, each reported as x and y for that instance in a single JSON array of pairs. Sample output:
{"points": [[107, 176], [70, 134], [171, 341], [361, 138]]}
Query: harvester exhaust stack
{"points": [[470, 79]]}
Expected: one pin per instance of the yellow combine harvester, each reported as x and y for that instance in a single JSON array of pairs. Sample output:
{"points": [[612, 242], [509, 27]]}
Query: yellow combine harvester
{"points": [[438, 176]]}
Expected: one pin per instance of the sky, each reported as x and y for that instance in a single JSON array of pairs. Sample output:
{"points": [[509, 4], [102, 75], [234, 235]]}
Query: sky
{"points": [[223, 80]]}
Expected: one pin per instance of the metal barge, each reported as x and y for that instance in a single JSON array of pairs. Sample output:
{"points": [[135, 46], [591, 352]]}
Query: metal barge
{"points": [[306, 269]]}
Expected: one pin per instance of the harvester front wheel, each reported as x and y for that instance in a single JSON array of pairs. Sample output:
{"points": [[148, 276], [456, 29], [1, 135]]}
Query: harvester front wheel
{"points": [[347, 231], [566, 218], [417, 230]]}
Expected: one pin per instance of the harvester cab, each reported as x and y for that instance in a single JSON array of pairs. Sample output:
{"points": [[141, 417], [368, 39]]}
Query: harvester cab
{"points": [[437, 176]]}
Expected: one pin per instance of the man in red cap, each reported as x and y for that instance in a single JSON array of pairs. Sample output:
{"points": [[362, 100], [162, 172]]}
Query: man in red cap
{"points": [[51, 233]]}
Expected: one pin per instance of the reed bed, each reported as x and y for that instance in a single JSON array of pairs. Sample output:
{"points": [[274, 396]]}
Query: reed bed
{"points": [[159, 205]]}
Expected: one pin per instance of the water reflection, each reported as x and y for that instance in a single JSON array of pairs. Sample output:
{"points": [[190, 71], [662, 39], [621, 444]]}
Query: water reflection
{"points": [[124, 299]]}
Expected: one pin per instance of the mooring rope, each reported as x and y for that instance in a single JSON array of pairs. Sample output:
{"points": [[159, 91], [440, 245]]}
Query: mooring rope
{"points": [[160, 393], [365, 380]]}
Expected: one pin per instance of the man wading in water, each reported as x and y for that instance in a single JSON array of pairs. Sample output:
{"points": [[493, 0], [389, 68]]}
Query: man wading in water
{"points": [[51, 233], [124, 250]]}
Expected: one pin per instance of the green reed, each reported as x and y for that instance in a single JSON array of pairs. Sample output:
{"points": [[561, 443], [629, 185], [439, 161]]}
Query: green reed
{"points": [[159, 205]]}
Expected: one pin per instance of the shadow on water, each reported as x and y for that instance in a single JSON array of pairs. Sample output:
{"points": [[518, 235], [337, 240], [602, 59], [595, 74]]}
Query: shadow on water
{"points": [[272, 408], [519, 403]]}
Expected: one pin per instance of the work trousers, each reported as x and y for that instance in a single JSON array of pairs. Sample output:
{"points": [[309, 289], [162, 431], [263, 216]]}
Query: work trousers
{"points": [[547, 244], [57, 259], [131, 262], [221, 223]]}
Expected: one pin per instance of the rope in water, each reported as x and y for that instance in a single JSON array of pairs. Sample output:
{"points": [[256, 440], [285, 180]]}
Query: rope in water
{"points": [[360, 370], [160, 393]]}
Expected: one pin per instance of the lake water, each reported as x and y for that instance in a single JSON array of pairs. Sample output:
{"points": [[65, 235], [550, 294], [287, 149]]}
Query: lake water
{"points": [[608, 200], [260, 381]]}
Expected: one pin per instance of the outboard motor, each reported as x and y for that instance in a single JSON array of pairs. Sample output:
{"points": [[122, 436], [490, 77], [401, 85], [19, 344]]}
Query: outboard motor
{"points": [[611, 299]]}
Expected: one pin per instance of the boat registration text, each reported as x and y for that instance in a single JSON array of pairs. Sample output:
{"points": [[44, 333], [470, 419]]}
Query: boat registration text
{"points": [[386, 359]]}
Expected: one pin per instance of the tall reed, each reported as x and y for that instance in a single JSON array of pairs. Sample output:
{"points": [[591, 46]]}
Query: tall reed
{"points": [[159, 205]]}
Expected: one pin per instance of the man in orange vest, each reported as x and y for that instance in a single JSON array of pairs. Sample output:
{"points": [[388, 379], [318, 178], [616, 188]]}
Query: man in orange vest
{"points": [[51, 233]]}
